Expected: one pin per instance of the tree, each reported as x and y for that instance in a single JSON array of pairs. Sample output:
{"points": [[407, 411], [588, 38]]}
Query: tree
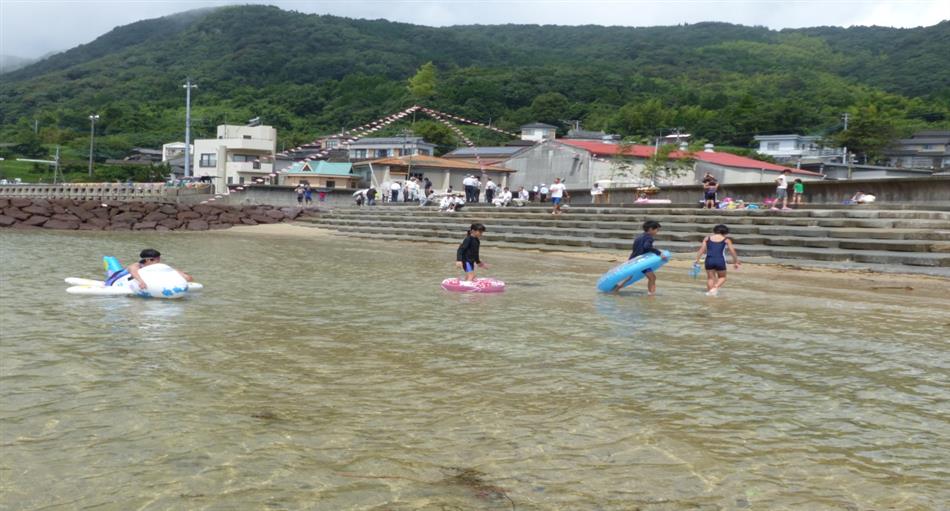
{"points": [[667, 164], [550, 108], [436, 133], [422, 85], [869, 132]]}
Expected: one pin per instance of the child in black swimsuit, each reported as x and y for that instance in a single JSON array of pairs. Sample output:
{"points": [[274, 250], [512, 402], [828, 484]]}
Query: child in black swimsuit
{"points": [[715, 247]]}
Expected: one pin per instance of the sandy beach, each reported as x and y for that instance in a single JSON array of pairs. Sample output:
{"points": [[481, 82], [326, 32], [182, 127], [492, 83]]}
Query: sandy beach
{"points": [[785, 279]]}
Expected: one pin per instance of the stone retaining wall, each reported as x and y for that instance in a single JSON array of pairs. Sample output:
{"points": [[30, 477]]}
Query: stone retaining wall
{"points": [[68, 214]]}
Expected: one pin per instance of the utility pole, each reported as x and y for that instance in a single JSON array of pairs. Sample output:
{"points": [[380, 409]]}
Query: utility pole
{"points": [[36, 126], [92, 138], [188, 86], [847, 159]]}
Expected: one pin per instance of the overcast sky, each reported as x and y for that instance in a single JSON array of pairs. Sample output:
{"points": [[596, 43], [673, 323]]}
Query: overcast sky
{"points": [[31, 28]]}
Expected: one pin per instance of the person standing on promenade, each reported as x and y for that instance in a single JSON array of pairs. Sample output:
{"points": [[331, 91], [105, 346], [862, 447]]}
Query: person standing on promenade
{"points": [[300, 194], [490, 187], [781, 191], [544, 192], [533, 193], [558, 193], [799, 189], [308, 194], [371, 196], [710, 187], [596, 192], [394, 191]]}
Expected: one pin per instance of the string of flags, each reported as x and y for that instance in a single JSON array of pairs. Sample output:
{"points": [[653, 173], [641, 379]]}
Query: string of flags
{"points": [[350, 136]]}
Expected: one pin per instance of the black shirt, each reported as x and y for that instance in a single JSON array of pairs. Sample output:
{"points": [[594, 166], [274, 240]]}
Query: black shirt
{"points": [[642, 245], [468, 250]]}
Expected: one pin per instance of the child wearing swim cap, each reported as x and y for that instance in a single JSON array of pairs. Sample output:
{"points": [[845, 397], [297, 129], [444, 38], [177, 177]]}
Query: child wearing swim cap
{"points": [[715, 246]]}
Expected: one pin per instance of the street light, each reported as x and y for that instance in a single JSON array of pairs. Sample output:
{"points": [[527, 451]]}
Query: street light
{"points": [[92, 138], [188, 86]]}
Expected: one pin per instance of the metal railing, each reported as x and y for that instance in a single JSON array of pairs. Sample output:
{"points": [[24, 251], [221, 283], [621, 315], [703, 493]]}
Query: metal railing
{"points": [[145, 192]]}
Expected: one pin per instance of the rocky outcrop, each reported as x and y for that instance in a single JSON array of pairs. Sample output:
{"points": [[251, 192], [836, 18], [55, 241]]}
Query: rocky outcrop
{"points": [[68, 214]]}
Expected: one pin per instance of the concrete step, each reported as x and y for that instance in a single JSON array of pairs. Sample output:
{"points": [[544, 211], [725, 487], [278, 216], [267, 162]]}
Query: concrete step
{"points": [[891, 260], [764, 218], [904, 240], [817, 250], [673, 210]]}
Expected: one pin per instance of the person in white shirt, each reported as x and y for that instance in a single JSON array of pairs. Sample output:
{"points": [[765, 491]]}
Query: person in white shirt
{"points": [[490, 188], [503, 199], [781, 191], [469, 184], [533, 193], [596, 193], [523, 197], [544, 192], [394, 191], [558, 193]]}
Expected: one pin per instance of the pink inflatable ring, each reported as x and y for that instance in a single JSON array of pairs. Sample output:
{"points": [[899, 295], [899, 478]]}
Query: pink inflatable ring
{"points": [[476, 286]]}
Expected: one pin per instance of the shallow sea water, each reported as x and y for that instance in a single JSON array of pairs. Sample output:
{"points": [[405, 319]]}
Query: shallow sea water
{"points": [[331, 373]]}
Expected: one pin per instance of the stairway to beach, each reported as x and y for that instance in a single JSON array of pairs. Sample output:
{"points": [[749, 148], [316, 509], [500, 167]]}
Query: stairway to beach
{"points": [[880, 239]]}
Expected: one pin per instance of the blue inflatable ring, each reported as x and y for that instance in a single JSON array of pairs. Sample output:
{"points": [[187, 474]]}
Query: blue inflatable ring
{"points": [[633, 268]]}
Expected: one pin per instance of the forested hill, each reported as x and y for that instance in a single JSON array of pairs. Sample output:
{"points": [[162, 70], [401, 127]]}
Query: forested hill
{"points": [[310, 74]]}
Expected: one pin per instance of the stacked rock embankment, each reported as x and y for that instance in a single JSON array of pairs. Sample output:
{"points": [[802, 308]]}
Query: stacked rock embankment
{"points": [[68, 214]]}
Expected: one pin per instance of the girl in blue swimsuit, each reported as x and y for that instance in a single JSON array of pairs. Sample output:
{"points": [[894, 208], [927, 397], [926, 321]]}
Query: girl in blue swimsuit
{"points": [[715, 247]]}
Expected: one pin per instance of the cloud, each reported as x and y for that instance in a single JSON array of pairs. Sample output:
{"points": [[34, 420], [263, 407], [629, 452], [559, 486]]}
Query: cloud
{"points": [[30, 28]]}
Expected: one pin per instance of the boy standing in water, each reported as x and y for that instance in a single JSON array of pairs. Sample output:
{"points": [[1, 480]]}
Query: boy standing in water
{"points": [[715, 247], [466, 257], [644, 245]]}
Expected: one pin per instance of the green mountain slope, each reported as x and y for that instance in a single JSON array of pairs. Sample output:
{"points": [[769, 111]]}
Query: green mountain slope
{"points": [[310, 74]]}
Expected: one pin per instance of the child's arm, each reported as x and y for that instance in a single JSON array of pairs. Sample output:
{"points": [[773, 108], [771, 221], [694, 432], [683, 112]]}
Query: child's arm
{"points": [[185, 276], [134, 271], [702, 249], [732, 251]]}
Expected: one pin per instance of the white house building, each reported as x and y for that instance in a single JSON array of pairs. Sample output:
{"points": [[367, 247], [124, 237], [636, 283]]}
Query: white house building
{"points": [[237, 156], [386, 147], [538, 132], [795, 148]]}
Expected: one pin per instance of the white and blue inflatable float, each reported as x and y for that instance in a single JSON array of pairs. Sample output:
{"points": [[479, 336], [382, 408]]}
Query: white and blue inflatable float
{"points": [[632, 270], [161, 281]]}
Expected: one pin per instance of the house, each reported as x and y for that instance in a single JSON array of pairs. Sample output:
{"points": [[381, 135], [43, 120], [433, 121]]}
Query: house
{"points": [[320, 174], [139, 156], [582, 162], [538, 132], [174, 150], [443, 172], [924, 150], [795, 148], [238, 155], [488, 155], [385, 147]]}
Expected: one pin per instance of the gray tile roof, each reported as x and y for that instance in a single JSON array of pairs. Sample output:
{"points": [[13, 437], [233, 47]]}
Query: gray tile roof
{"points": [[467, 152]]}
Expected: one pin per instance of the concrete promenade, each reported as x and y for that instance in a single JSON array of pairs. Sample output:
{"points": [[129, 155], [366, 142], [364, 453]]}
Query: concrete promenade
{"points": [[892, 240]]}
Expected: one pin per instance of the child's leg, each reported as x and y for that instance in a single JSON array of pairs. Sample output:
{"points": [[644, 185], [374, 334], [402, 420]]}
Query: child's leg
{"points": [[620, 285], [651, 282], [720, 279], [469, 271], [710, 279]]}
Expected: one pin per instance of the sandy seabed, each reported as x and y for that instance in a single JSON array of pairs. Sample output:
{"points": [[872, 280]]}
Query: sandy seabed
{"points": [[785, 279]]}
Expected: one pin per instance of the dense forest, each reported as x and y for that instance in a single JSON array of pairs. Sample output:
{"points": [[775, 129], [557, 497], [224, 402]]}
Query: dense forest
{"points": [[309, 75]]}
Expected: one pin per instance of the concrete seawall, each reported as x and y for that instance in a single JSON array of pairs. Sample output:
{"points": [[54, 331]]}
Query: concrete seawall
{"points": [[68, 214], [923, 191]]}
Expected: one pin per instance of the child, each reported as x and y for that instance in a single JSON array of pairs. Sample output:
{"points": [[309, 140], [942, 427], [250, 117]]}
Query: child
{"points": [[781, 191], [642, 245], [799, 190], [149, 256], [714, 247], [466, 257], [709, 195]]}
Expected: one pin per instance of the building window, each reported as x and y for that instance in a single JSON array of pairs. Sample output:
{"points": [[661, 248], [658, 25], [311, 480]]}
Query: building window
{"points": [[230, 180], [331, 184], [928, 147], [772, 146], [247, 137], [359, 153], [241, 181], [382, 153], [208, 160]]}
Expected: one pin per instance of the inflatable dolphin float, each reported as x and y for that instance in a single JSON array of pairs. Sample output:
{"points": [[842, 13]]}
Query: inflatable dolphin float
{"points": [[161, 281]]}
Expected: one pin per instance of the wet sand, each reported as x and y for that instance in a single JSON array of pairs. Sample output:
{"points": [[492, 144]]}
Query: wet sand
{"points": [[784, 279]]}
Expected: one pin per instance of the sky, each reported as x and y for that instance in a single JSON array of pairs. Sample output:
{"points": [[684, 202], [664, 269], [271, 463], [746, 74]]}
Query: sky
{"points": [[32, 28]]}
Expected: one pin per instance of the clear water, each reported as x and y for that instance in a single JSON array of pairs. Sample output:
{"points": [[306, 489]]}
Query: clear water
{"points": [[330, 373]]}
